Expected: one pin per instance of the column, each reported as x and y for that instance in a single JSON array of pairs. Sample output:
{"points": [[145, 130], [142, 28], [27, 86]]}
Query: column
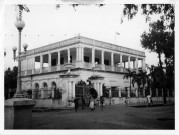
{"points": [[136, 92], [68, 55], [53, 93], [129, 61], [110, 95], [82, 53], [58, 60], [144, 92], [119, 92], [33, 69], [42, 93], [58, 57], [77, 53], [136, 64], [102, 57], [162, 93], [124, 64], [93, 55], [102, 60], [121, 60], [79, 57], [41, 63], [49, 62], [73, 96], [69, 90], [112, 59], [94, 86], [143, 64], [100, 89], [97, 84], [24, 68], [128, 92], [150, 91], [156, 92]]}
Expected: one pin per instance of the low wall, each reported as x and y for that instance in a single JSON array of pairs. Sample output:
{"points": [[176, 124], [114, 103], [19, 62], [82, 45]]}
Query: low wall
{"points": [[49, 103], [58, 103], [135, 100]]}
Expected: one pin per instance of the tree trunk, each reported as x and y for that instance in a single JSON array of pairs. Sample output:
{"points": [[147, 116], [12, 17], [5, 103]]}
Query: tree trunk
{"points": [[130, 84], [162, 80]]}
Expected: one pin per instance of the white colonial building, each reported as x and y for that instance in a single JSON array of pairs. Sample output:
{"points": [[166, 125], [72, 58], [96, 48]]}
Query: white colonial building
{"points": [[43, 67]]}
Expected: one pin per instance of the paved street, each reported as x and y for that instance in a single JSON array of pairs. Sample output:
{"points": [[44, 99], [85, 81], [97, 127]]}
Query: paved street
{"points": [[112, 117]]}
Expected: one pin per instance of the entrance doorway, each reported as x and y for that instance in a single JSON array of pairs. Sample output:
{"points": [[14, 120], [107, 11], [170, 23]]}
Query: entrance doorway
{"points": [[82, 91]]}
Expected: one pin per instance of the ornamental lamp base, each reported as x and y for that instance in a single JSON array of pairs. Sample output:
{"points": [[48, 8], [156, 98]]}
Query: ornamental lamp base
{"points": [[18, 113]]}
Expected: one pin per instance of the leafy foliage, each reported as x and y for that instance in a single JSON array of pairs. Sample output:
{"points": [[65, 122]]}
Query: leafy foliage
{"points": [[76, 5], [166, 12], [141, 79], [10, 80], [129, 75]]}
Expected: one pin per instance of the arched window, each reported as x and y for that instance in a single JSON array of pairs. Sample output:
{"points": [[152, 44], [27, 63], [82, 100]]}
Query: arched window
{"points": [[36, 86], [54, 85], [35, 93], [45, 86]]}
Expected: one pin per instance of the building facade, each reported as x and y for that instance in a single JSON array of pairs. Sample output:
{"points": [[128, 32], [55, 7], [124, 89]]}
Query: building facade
{"points": [[42, 68]]}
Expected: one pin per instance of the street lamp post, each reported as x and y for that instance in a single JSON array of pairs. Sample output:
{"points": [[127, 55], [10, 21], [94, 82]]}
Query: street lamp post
{"points": [[20, 24], [18, 110]]}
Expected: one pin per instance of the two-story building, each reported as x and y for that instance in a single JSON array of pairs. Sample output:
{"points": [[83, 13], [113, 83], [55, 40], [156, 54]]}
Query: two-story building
{"points": [[43, 68]]}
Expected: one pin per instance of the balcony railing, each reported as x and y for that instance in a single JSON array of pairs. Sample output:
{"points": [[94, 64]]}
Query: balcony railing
{"points": [[45, 69], [29, 72], [22, 73], [53, 68], [78, 64], [108, 68], [37, 71]]}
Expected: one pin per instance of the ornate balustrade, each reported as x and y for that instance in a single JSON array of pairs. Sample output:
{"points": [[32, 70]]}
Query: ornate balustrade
{"points": [[29, 72], [22, 73], [37, 71], [53, 68], [78, 64], [45, 69], [108, 68]]}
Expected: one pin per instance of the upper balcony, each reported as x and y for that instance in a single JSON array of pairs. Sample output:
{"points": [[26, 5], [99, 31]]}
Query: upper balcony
{"points": [[79, 64], [83, 53]]}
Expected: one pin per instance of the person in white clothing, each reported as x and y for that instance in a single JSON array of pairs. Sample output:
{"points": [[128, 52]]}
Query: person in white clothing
{"points": [[149, 100], [91, 106]]}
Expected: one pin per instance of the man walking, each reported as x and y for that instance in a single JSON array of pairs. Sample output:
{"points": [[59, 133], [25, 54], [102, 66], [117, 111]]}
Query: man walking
{"points": [[76, 104], [149, 100]]}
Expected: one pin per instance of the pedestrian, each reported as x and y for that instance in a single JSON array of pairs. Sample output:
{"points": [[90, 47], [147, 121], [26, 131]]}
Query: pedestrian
{"points": [[101, 102], [126, 101], [82, 102], [149, 100], [91, 106], [76, 104]]}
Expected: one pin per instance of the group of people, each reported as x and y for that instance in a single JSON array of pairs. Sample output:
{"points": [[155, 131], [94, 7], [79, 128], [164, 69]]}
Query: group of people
{"points": [[91, 104], [149, 101]]}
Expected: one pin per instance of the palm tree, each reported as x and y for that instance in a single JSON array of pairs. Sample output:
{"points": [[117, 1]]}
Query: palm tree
{"points": [[140, 78], [144, 77], [137, 79], [150, 78], [129, 75]]}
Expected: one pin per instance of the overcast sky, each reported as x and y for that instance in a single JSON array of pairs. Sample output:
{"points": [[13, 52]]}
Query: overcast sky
{"points": [[45, 24]]}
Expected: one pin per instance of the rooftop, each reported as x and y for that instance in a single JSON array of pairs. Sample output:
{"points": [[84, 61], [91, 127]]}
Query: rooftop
{"points": [[85, 40]]}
